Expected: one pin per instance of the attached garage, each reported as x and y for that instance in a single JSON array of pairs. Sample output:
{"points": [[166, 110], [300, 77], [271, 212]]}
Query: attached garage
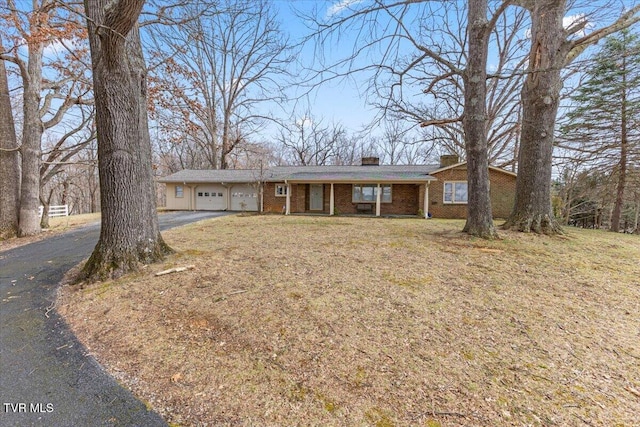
{"points": [[244, 197], [211, 198]]}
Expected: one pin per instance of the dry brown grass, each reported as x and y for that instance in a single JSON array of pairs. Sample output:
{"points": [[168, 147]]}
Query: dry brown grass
{"points": [[358, 321]]}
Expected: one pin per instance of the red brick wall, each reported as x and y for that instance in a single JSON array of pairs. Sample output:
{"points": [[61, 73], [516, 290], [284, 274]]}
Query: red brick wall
{"points": [[407, 199], [502, 189], [404, 199], [272, 203]]}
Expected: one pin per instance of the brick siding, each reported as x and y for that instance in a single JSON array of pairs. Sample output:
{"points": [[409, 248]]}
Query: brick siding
{"points": [[502, 192], [407, 199], [404, 199]]}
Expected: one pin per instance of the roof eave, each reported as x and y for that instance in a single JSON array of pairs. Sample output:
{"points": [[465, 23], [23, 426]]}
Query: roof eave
{"points": [[464, 163], [360, 181]]}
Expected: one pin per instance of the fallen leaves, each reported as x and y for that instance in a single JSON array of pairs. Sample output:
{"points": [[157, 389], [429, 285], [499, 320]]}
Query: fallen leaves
{"points": [[353, 321]]}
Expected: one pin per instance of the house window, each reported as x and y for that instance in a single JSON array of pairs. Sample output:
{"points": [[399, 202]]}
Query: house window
{"points": [[455, 192], [281, 190], [179, 191], [367, 193]]}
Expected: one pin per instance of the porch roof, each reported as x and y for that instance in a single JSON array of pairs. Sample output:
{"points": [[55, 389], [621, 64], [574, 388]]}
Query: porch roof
{"points": [[369, 176]]}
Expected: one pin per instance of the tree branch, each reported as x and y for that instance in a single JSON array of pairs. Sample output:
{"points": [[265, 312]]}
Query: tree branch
{"points": [[440, 122], [627, 19]]}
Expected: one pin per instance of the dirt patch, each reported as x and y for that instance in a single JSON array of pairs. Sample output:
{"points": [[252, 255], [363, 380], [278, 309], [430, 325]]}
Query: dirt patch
{"points": [[357, 321]]}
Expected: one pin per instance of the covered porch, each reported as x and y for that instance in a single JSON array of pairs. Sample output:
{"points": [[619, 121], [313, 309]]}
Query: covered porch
{"points": [[396, 194]]}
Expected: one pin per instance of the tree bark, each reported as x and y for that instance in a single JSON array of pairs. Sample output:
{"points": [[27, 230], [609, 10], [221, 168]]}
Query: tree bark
{"points": [[9, 163], [540, 98], [29, 223], [44, 219], [622, 165], [130, 234], [479, 214]]}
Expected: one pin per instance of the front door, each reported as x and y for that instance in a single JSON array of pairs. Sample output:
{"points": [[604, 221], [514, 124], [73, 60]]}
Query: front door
{"points": [[316, 201]]}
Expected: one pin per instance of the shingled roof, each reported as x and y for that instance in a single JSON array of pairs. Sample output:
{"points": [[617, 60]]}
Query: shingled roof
{"points": [[213, 175], [387, 173]]}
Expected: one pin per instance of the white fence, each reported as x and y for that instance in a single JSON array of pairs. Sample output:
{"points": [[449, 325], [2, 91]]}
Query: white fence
{"points": [[54, 211]]}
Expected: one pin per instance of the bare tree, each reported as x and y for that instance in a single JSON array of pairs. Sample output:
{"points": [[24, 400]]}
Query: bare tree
{"points": [[308, 141], [435, 43], [480, 217], [224, 63], [552, 48], [350, 149], [9, 162], [45, 101], [62, 153], [129, 233]]}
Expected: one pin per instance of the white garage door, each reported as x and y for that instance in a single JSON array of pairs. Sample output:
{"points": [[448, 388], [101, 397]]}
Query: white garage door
{"points": [[211, 198], [244, 198]]}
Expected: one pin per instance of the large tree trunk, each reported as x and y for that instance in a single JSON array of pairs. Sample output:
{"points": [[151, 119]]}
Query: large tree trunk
{"points": [[29, 223], [479, 215], [636, 230], [9, 163], [540, 99], [130, 234], [622, 165], [45, 202]]}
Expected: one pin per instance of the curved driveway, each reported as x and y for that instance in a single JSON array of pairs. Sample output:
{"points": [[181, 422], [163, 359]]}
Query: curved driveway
{"points": [[46, 376]]}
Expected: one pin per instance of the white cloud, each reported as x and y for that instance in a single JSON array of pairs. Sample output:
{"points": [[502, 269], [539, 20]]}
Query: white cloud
{"points": [[572, 20], [53, 49], [340, 6], [304, 122], [568, 22]]}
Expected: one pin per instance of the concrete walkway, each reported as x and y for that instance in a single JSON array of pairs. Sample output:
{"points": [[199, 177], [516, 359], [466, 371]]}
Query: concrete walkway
{"points": [[46, 376]]}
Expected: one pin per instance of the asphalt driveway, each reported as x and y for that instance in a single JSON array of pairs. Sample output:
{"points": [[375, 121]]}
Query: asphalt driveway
{"points": [[46, 376]]}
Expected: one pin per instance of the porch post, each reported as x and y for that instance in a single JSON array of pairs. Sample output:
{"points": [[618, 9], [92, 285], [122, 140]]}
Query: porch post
{"points": [[331, 201], [261, 189], [288, 208], [426, 199], [378, 200]]}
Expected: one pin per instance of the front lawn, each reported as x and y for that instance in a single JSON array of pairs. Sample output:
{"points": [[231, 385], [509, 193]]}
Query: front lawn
{"points": [[367, 321]]}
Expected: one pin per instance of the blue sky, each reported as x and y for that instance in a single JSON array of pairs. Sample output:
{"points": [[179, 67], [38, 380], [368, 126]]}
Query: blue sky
{"points": [[344, 101], [339, 101]]}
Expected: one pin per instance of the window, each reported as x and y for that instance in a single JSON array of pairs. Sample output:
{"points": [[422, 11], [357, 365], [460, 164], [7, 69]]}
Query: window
{"points": [[363, 193], [455, 192], [179, 191], [200, 194], [281, 190]]}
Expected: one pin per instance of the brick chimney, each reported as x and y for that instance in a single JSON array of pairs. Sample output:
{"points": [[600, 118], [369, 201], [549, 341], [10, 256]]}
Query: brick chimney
{"points": [[448, 160], [370, 161]]}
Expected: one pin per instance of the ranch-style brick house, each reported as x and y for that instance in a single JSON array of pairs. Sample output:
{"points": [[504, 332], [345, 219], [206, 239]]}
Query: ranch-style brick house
{"points": [[438, 191]]}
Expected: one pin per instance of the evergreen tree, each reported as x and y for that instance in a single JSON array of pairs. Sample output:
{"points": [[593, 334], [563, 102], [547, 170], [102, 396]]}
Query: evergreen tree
{"points": [[605, 122]]}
